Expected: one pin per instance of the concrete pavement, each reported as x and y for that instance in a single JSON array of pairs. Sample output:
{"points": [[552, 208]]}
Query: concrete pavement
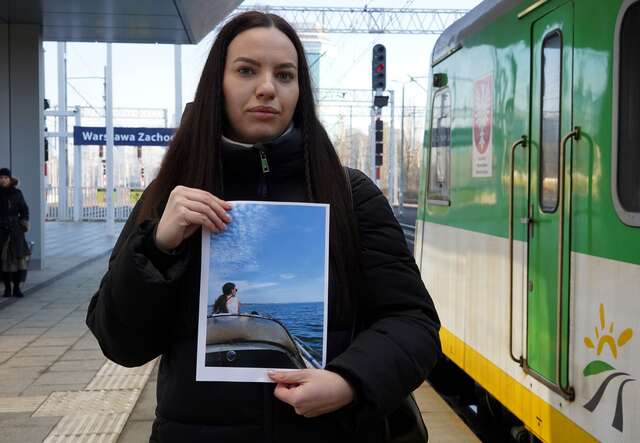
{"points": [[55, 384]]}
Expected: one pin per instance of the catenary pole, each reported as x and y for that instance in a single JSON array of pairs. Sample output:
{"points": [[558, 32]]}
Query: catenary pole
{"points": [[77, 173], [108, 99], [353, 155], [401, 157], [63, 158], [178, 85]]}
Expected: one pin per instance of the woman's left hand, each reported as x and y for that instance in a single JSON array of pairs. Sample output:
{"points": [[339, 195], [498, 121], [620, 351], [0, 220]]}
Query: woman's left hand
{"points": [[312, 392]]}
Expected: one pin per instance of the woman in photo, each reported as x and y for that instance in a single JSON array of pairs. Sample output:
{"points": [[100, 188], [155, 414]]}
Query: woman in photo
{"points": [[252, 133], [14, 222], [227, 302]]}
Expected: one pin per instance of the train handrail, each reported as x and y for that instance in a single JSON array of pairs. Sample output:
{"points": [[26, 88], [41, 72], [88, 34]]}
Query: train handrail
{"points": [[522, 141], [575, 134]]}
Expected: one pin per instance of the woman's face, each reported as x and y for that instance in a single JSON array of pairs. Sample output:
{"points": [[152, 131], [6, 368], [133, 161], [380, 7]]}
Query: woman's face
{"points": [[260, 84]]}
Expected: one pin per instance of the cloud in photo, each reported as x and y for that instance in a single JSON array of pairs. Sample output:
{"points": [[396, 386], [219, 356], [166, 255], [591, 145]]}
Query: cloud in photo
{"points": [[274, 253]]}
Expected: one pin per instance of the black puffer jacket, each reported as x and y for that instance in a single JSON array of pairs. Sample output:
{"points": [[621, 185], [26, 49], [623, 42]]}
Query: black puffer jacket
{"points": [[147, 306], [14, 221]]}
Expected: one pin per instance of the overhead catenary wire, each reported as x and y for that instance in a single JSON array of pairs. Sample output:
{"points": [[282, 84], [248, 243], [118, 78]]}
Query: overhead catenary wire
{"points": [[373, 42], [82, 96]]}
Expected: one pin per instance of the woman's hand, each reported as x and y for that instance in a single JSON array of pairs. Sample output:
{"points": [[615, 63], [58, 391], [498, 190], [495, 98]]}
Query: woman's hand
{"points": [[312, 392], [187, 210]]}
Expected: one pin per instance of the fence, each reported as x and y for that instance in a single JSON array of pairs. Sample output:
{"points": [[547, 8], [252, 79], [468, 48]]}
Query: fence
{"points": [[94, 203]]}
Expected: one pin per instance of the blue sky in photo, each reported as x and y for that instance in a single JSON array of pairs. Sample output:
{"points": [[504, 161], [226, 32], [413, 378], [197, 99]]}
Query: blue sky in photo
{"points": [[273, 253]]}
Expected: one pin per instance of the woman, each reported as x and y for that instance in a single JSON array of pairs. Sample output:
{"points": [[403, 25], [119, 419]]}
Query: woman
{"points": [[14, 222], [227, 302], [252, 134]]}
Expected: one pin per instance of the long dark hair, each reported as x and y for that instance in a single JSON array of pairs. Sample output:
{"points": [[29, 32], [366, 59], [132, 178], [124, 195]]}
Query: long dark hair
{"points": [[220, 305], [194, 155]]}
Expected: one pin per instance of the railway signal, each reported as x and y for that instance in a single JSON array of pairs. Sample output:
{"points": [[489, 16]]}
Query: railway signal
{"points": [[378, 84], [379, 68], [378, 139]]}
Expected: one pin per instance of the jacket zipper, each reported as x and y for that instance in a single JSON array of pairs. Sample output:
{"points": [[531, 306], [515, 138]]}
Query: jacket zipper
{"points": [[263, 188]]}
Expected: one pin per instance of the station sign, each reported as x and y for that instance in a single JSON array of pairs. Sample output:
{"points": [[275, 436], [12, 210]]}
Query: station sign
{"points": [[95, 136]]}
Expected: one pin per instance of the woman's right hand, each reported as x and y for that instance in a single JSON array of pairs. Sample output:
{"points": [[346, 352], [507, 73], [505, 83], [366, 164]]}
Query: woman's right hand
{"points": [[187, 210]]}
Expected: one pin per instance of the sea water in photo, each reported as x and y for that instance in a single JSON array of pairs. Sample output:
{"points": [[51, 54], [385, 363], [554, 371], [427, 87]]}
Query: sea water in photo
{"points": [[302, 320]]}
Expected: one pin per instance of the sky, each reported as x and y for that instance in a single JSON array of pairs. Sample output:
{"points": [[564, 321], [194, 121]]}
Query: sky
{"points": [[273, 253], [143, 74]]}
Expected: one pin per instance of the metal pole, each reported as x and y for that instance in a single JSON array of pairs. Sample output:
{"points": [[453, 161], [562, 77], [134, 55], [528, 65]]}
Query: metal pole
{"points": [[77, 174], [401, 157], [353, 160], [413, 130], [63, 161], [392, 152], [178, 84], [372, 145], [108, 99]]}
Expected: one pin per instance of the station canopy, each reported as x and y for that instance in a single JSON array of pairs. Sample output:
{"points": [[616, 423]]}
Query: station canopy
{"points": [[119, 21]]}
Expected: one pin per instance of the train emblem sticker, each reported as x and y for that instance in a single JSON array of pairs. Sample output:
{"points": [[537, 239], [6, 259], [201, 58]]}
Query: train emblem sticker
{"points": [[482, 127], [605, 336]]}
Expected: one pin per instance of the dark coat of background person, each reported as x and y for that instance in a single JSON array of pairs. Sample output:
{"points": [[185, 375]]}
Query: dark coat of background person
{"points": [[14, 221], [147, 306]]}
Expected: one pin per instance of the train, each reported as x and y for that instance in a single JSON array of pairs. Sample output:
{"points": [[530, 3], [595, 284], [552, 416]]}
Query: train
{"points": [[528, 224]]}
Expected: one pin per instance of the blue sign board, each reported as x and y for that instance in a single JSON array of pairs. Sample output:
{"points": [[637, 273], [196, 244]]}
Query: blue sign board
{"points": [[92, 135]]}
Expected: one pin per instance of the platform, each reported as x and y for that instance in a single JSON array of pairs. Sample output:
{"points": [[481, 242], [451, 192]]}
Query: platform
{"points": [[68, 246], [55, 384]]}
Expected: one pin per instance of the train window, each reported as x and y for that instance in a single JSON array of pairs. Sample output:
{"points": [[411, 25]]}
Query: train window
{"points": [[440, 146], [550, 120], [628, 158]]}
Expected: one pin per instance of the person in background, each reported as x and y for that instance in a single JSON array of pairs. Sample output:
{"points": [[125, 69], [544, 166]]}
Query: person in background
{"points": [[14, 222], [252, 133]]}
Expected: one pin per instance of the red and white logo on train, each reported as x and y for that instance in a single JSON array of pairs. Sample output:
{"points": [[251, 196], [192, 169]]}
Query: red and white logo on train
{"points": [[482, 113]]}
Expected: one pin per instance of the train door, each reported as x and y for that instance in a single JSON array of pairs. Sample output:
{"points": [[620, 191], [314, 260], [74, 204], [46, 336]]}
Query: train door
{"points": [[551, 120]]}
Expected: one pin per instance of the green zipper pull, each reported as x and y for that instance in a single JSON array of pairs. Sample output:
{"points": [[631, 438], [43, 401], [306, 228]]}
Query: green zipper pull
{"points": [[264, 162]]}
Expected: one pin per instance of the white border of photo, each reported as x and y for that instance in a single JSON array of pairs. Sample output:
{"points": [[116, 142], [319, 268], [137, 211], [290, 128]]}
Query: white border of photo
{"points": [[235, 374]]}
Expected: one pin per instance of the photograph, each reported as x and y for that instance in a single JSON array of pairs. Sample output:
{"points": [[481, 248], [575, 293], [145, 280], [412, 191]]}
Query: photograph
{"points": [[263, 292]]}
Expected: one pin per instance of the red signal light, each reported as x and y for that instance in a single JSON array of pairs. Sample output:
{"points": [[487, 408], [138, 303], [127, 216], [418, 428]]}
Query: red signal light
{"points": [[380, 68]]}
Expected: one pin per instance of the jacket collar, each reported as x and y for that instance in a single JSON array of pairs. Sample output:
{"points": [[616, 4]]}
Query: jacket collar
{"points": [[240, 145], [285, 155]]}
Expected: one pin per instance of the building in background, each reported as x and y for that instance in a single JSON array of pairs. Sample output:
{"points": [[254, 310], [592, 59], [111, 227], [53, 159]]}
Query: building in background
{"points": [[313, 49]]}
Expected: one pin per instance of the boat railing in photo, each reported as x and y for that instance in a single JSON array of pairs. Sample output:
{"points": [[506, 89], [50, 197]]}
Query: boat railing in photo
{"points": [[306, 353], [249, 340]]}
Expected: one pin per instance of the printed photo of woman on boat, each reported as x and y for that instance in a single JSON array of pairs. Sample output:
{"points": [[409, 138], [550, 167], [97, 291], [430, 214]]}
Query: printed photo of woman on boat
{"points": [[276, 256]]}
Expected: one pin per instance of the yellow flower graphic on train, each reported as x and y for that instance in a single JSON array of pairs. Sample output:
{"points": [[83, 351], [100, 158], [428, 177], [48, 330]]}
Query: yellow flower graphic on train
{"points": [[605, 337]]}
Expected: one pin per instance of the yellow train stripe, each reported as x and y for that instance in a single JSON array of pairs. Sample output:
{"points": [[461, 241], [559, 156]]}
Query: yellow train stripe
{"points": [[546, 422]]}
